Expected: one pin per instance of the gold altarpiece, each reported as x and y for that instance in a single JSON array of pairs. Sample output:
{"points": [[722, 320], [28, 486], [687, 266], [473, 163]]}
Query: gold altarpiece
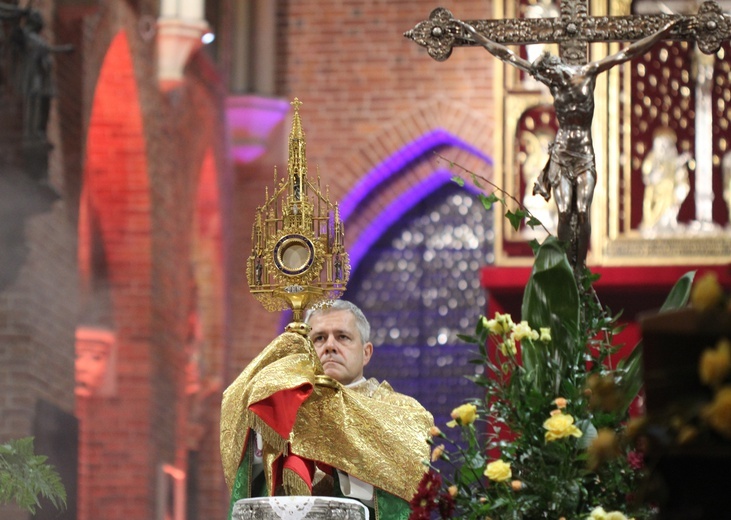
{"points": [[632, 101]]}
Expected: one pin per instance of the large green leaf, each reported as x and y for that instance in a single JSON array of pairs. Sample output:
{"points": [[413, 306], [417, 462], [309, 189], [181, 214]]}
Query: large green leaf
{"points": [[551, 289], [679, 294], [551, 299]]}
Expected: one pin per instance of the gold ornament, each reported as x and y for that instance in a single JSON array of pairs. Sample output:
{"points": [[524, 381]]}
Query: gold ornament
{"points": [[298, 258]]}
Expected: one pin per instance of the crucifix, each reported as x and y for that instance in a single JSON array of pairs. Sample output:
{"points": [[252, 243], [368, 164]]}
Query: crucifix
{"points": [[570, 172]]}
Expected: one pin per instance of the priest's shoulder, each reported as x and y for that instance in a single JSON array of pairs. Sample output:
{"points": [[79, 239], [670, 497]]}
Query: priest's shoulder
{"points": [[383, 391]]}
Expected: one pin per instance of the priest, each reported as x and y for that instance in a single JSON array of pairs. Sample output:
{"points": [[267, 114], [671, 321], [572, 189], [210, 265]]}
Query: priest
{"points": [[301, 419]]}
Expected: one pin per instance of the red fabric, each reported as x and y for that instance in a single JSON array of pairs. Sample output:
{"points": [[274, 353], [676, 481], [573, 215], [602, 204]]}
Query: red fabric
{"points": [[305, 468], [279, 410]]}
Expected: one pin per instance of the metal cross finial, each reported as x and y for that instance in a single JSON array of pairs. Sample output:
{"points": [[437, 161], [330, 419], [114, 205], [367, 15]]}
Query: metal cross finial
{"points": [[573, 30], [296, 103]]}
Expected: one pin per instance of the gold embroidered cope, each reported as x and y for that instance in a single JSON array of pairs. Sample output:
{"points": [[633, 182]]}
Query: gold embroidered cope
{"points": [[368, 431]]}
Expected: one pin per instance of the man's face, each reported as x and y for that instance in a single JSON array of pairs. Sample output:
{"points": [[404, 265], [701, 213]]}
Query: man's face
{"points": [[339, 346]]}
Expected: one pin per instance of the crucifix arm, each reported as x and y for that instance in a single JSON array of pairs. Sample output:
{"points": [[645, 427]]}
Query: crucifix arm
{"points": [[638, 48], [499, 51]]}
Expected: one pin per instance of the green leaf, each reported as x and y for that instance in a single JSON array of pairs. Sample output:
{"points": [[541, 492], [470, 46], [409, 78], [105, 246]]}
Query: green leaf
{"points": [[488, 200], [679, 294], [515, 218], [468, 339], [458, 180], [551, 299], [533, 222], [476, 181]]}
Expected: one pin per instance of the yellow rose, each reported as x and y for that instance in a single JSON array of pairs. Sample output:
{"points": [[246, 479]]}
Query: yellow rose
{"points": [[718, 413], [522, 330], [706, 292], [560, 426], [463, 415], [545, 334], [499, 471], [615, 515], [715, 364], [597, 513]]}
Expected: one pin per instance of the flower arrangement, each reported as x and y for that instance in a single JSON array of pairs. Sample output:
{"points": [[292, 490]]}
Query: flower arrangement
{"points": [[547, 437]]}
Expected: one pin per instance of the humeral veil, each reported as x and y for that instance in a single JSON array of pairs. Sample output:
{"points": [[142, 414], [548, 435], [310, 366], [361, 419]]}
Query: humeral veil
{"points": [[306, 418]]}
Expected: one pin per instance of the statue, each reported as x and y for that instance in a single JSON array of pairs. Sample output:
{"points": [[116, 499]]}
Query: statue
{"points": [[95, 361], [570, 171], [665, 175], [34, 74]]}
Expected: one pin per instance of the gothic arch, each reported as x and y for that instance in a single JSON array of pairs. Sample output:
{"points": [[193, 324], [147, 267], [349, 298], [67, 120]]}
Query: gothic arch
{"points": [[402, 167]]}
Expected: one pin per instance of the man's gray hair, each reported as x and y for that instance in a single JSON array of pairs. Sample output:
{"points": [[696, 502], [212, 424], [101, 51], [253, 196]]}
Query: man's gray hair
{"points": [[361, 322]]}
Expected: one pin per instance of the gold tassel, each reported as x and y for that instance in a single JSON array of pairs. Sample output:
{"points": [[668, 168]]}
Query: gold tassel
{"points": [[272, 438], [293, 484]]}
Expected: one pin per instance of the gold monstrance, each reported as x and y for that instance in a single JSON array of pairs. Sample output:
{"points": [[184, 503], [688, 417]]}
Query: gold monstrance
{"points": [[298, 258]]}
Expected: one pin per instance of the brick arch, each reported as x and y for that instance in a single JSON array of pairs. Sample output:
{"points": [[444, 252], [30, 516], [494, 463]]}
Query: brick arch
{"points": [[116, 183], [402, 168], [115, 252]]}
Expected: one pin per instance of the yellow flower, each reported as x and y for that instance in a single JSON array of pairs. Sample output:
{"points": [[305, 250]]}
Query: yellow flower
{"points": [[560, 426], [615, 515], [718, 413], [522, 330], [498, 470], [706, 292], [516, 485], [463, 415], [508, 346], [501, 324], [437, 453], [452, 490], [545, 334], [597, 513], [715, 364]]}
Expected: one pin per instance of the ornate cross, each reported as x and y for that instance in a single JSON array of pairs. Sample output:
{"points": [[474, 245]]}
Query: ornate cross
{"points": [[573, 30]]}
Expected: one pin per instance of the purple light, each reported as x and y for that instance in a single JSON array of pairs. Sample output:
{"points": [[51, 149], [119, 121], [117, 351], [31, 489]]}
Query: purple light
{"points": [[392, 165]]}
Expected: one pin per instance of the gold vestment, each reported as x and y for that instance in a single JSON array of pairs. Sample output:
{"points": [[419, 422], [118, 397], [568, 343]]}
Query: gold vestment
{"points": [[370, 432]]}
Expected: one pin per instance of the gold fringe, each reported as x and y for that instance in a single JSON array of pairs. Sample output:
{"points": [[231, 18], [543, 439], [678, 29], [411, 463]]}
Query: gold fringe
{"points": [[270, 437], [293, 484]]}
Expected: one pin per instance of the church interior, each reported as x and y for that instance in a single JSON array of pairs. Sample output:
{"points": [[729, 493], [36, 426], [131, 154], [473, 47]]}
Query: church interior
{"points": [[138, 138]]}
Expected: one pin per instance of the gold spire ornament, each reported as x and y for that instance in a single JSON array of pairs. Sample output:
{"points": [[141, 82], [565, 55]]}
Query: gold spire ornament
{"points": [[298, 258]]}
